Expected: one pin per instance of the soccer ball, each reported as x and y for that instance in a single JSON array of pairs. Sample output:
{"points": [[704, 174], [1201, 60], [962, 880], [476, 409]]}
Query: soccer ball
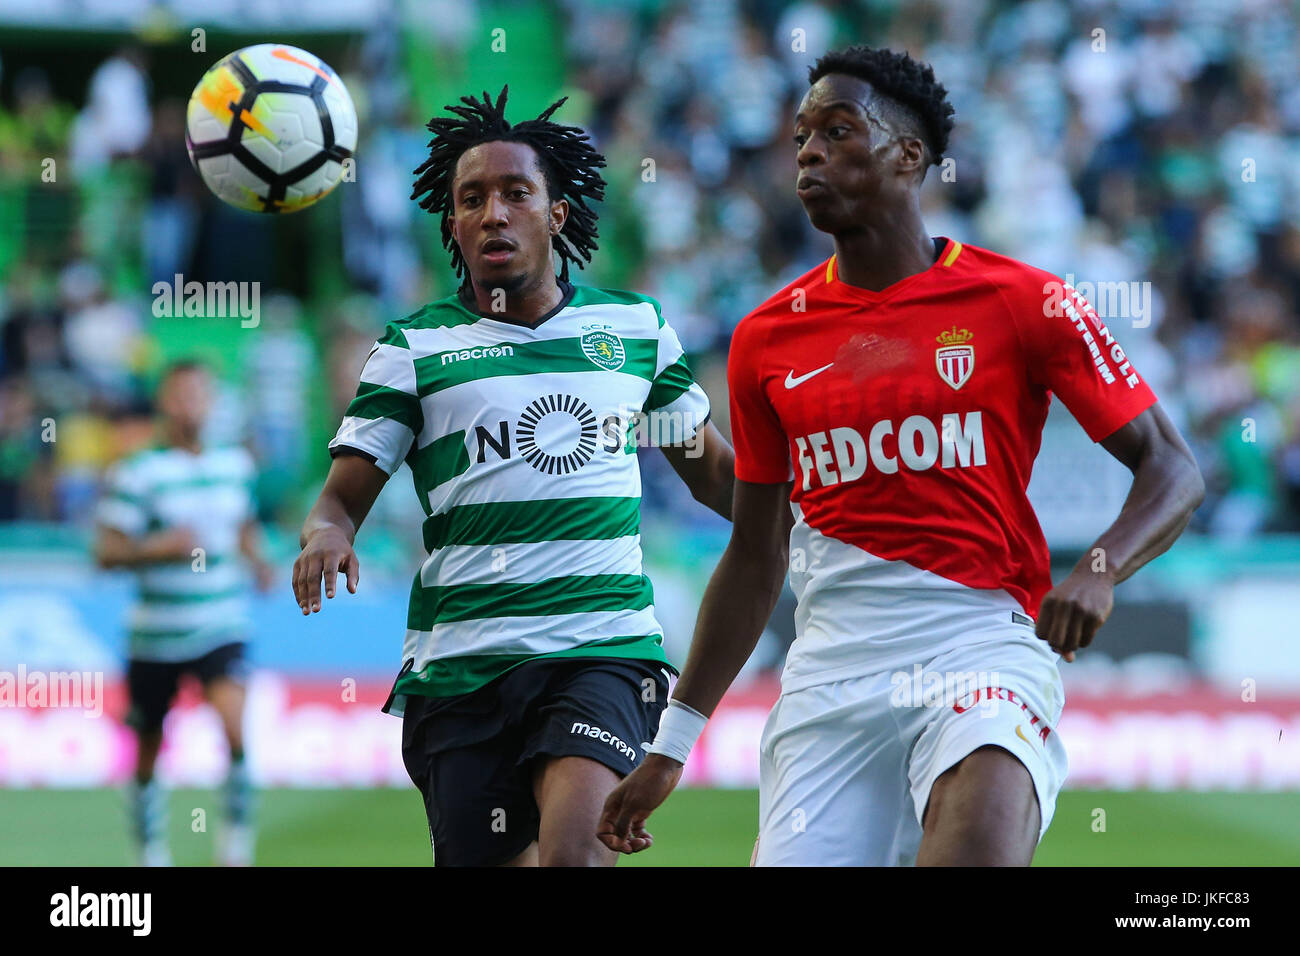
{"points": [[269, 127]]}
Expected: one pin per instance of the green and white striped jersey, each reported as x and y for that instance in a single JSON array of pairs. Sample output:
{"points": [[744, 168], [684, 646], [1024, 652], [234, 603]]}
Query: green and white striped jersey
{"points": [[185, 608], [522, 446]]}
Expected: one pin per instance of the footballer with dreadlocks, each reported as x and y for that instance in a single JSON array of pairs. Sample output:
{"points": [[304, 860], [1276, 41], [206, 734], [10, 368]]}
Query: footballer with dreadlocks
{"points": [[533, 670], [886, 409]]}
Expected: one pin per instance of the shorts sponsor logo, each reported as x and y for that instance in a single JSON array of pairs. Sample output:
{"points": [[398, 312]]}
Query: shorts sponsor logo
{"points": [[604, 736], [988, 694]]}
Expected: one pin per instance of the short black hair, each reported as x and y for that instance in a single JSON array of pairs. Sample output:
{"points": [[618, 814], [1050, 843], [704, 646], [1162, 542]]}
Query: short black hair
{"points": [[564, 153], [911, 85]]}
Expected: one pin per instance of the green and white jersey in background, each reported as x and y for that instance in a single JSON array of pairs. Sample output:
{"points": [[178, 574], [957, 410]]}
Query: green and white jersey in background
{"points": [[522, 446], [189, 607]]}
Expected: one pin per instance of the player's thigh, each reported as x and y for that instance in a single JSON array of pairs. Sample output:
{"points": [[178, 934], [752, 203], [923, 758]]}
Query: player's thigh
{"points": [[589, 730], [983, 811], [832, 779], [1003, 699], [223, 673], [478, 800], [227, 664], [570, 794]]}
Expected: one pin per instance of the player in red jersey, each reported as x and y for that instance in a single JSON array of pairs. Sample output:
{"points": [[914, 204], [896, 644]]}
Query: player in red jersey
{"points": [[886, 411]]}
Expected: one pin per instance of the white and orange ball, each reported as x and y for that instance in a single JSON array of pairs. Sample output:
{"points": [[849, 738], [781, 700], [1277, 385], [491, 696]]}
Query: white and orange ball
{"points": [[270, 127]]}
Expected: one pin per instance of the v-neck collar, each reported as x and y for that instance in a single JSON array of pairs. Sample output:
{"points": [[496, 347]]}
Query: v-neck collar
{"points": [[465, 296], [944, 257]]}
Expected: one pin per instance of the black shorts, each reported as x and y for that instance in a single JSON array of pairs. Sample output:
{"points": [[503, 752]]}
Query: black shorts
{"points": [[151, 685], [472, 756]]}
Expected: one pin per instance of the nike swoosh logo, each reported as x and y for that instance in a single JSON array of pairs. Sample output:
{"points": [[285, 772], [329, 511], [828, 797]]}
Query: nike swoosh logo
{"points": [[791, 381], [1021, 734]]}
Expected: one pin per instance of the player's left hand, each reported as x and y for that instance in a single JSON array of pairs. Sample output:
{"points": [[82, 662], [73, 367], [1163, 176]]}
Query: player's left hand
{"points": [[622, 823], [1073, 611]]}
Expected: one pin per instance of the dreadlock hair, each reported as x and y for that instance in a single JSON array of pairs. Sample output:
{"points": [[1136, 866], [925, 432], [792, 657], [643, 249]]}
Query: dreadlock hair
{"points": [[920, 104], [567, 159]]}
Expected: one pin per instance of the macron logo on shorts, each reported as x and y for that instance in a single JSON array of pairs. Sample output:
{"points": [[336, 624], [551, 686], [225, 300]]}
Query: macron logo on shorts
{"points": [[587, 730]]}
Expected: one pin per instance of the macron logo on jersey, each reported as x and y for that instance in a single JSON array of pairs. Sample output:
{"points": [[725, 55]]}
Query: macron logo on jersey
{"points": [[467, 355], [842, 454]]}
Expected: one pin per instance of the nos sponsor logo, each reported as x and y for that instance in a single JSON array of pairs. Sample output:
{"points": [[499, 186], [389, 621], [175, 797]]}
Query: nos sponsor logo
{"points": [[556, 435]]}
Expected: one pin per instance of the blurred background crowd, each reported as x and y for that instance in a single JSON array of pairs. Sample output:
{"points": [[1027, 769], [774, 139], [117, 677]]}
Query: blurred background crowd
{"points": [[1147, 150], [1144, 142]]}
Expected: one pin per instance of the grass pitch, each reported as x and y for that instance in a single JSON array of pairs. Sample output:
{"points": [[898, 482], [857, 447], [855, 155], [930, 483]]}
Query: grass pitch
{"points": [[695, 828]]}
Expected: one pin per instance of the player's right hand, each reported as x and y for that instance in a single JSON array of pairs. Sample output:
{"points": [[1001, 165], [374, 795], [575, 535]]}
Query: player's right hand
{"points": [[327, 552], [622, 822]]}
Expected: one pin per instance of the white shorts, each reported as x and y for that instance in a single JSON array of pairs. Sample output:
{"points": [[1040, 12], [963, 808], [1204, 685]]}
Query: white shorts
{"points": [[846, 767]]}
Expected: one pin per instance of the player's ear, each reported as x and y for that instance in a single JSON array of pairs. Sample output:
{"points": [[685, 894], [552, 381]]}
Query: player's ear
{"points": [[559, 215], [912, 155]]}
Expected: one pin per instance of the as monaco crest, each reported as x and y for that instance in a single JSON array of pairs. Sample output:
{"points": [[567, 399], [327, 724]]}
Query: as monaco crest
{"points": [[954, 359]]}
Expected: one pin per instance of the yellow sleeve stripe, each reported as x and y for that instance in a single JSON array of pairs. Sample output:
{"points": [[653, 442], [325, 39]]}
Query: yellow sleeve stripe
{"points": [[951, 257]]}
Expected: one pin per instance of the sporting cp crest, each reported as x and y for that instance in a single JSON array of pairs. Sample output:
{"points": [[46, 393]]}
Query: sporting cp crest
{"points": [[604, 348], [954, 359]]}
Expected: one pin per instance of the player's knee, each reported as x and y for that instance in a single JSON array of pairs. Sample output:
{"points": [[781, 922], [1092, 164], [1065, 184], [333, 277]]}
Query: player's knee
{"points": [[577, 853]]}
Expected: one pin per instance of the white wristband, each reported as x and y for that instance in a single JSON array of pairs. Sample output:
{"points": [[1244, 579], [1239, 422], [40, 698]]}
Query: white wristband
{"points": [[679, 728]]}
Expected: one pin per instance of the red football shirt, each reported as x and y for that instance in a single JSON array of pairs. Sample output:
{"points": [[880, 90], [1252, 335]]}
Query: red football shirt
{"points": [[909, 420]]}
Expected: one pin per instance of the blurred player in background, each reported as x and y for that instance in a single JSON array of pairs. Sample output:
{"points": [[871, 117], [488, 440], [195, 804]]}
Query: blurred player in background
{"points": [[179, 515], [886, 410], [533, 669]]}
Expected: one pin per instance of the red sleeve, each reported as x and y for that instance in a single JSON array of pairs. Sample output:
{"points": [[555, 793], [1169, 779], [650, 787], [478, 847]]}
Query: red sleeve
{"points": [[762, 448], [1073, 353]]}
